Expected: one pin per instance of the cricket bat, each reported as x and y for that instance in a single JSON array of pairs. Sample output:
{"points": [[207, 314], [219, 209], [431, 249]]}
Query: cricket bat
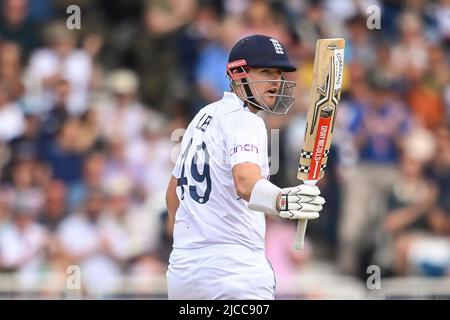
{"points": [[322, 106]]}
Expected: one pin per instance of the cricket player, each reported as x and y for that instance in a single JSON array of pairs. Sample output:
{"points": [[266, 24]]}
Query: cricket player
{"points": [[219, 191]]}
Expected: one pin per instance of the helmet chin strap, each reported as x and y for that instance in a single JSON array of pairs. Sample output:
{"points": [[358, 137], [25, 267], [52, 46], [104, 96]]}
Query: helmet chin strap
{"points": [[249, 93], [240, 72]]}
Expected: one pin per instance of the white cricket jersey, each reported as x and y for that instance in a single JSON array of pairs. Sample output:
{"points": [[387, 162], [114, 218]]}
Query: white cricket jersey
{"points": [[220, 136]]}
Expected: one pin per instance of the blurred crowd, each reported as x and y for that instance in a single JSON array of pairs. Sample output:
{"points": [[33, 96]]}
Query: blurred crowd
{"points": [[91, 119]]}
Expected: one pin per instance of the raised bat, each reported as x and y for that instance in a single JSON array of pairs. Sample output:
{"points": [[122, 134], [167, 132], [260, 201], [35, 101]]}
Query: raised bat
{"points": [[322, 107]]}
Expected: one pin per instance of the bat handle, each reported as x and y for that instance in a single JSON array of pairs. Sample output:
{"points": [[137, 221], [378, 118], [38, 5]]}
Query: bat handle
{"points": [[301, 225]]}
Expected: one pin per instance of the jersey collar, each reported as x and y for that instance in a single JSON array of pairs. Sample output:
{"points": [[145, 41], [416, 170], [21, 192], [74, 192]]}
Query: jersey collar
{"points": [[231, 99]]}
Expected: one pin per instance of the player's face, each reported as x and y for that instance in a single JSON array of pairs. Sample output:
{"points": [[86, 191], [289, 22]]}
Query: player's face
{"points": [[266, 82]]}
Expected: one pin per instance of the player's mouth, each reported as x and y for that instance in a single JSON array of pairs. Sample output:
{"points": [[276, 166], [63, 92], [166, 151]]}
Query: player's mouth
{"points": [[271, 91]]}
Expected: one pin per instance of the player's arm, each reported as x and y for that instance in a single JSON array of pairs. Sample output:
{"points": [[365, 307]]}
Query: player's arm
{"points": [[172, 201], [302, 202], [246, 144], [245, 176]]}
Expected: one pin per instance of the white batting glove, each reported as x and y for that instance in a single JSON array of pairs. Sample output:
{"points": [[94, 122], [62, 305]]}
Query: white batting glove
{"points": [[301, 202]]}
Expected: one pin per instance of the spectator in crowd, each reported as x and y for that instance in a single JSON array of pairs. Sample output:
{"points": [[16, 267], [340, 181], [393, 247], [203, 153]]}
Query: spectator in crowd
{"points": [[15, 26], [98, 251], [151, 156], [63, 154], [202, 29], [121, 115], [11, 117], [425, 90], [209, 75], [260, 17], [92, 179], [26, 183], [414, 237], [55, 206], [152, 52], [26, 145], [137, 227], [312, 24], [412, 39], [11, 69], [23, 244], [378, 136], [61, 60], [118, 164], [410, 204], [360, 46], [58, 114], [438, 171], [89, 133], [53, 212]]}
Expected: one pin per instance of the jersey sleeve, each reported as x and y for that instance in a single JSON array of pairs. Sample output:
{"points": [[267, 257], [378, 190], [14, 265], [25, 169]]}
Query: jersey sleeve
{"points": [[176, 172], [177, 169], [246, 141]]}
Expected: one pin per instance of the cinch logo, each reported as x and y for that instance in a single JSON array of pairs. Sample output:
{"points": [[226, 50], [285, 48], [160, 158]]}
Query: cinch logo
{"points": [[245, 147], [277, 46]]}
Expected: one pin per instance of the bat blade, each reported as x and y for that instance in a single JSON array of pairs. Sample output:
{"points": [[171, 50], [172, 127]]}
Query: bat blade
{"points": [[323, 100]]}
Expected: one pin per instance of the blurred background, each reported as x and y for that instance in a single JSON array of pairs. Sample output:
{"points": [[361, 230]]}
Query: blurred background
{"points": [[91, 119]]}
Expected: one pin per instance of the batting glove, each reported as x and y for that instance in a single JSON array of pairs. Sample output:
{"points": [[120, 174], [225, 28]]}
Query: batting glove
{"points": [[301, 202]]}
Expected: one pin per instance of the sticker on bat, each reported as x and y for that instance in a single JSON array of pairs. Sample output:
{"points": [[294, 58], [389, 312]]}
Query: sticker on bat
{"points": [[319, 147], [338, 67]]}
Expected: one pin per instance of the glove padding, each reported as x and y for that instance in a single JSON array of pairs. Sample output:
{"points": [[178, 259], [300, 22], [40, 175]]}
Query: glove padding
{"points": [[301, 202]]}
